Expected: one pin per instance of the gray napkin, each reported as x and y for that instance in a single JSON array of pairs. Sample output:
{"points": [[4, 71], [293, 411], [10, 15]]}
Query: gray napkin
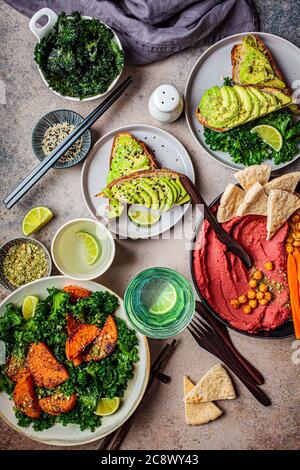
{"points": [[152, 30]]}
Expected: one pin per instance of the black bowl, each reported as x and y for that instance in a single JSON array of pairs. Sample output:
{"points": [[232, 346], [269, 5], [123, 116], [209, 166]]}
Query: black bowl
{"points": [[286, 330]]}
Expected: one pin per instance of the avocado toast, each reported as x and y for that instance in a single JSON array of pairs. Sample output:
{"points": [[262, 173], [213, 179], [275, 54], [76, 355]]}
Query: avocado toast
{"points": [[158, 189]]}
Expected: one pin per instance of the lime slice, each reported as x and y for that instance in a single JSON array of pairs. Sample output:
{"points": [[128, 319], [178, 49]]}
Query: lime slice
{"points": [[160, 297], [90, 247], [35, 219], [29, 304], [143, 217], [107, 406], [270, 135]]}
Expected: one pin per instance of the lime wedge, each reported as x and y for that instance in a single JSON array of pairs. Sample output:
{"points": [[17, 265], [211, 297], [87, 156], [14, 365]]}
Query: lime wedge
{"points": [[35, 219], [107, 406], [159, 297], [270, 135], [143, 217], [29, 304], [90, 247]]}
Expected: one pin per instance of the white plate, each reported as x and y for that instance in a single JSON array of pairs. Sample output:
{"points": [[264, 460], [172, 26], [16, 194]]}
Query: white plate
{"points": [[169, 153], [214, 64], [71, 435]]}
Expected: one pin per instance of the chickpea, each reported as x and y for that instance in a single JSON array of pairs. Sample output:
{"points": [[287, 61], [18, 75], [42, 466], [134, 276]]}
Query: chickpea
{"points": [[295, 218], [296, 243], [242, 299], [289, 248], [263, 287], [257, 275], [235, 303], [260, 295], [269, 266], [252, 303], [268, 295], [252, 283], [247, 309], [251, 294], [263, 302], [290, 239]]}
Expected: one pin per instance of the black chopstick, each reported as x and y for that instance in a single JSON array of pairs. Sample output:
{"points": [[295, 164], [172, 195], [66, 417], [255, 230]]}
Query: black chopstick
{"points": [[44, 166]]}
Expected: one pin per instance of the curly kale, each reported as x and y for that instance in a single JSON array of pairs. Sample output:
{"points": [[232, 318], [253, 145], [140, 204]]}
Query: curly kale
{"points": [[248, 148], [80, 57]]}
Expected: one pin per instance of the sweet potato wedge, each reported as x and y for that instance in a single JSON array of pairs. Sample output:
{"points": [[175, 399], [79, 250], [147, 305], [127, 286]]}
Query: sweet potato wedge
{"points": [[72, 324], [46, 370], [105, 343], [80, 339], [25, 397], [58, 404], [16, 367], [77, 292]]}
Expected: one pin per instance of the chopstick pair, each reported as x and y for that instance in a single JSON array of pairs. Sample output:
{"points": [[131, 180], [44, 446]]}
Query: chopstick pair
{"points": [[114, 440], [36, 174], [208, 339]]}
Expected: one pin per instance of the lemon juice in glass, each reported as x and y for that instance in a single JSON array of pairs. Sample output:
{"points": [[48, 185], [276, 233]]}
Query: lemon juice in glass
{"points": [[159, 302]]}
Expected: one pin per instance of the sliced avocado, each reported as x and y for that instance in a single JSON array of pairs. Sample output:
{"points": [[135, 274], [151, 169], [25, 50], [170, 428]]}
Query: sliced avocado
{"points": [[255, 67], [147, 186], [147, 198], [175, 187], [174, 190], [182, 190], [158, 189], [263, 100], [184, 199], [282, 97], [220, 106], [246, 103], [256, 104], [273, 102], [210, 102], [169, 195], [115, 208]]}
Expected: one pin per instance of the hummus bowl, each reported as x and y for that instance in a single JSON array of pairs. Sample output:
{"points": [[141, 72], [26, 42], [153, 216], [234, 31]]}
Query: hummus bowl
{"points": [[263, 323]]}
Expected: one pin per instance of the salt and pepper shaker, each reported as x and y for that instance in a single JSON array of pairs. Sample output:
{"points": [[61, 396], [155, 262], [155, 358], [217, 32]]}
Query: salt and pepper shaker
{"points": [[165, 104]]}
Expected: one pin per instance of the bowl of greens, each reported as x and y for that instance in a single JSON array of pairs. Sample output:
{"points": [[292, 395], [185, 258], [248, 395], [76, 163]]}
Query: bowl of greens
{"points": [[72, 370], [79, 58]]}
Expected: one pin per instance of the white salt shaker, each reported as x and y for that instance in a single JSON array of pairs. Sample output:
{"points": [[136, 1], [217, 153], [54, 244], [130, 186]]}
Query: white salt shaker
{"points": [[165, 104]]}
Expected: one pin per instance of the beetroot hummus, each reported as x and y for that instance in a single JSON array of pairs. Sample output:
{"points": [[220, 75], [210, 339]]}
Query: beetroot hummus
{"points": [[221, 276]]}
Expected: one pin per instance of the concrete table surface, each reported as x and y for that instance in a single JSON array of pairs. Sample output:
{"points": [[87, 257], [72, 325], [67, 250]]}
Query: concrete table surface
{"points": [[160, 424]]}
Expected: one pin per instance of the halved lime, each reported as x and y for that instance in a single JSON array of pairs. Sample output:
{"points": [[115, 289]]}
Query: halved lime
{"points": [[270, 135], [29, 305], [90, 247], [159, 296], [142, 217], [107, 406], [35, 219]]}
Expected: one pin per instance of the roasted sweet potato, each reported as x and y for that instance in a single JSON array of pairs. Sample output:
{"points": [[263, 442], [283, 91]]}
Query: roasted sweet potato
{"points": [[72, 324], [105, 343], [77, 292], [58, 403], [25, 397], [80, 339], [46, 370], [16, 367]]}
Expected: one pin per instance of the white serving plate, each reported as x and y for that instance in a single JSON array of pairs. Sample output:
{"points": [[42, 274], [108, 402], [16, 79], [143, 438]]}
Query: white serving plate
{"points": [[71, 435], [169, 153], [214, 64]]}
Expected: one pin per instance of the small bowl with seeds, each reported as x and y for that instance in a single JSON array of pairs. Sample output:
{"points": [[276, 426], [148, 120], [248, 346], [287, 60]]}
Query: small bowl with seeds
{"points": [[52, 129], [23, 260]]}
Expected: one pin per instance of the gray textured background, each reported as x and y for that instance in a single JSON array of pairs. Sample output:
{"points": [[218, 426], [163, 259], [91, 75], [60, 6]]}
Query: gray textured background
{"points": [[160, 425]]}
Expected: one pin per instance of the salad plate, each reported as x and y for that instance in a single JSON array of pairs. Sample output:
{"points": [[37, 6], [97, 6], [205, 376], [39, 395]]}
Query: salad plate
{"points": [[215, 64], [71, 435], [168, 152]]}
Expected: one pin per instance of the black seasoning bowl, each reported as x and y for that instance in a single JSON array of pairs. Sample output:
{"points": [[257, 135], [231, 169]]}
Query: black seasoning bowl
{"points": [[4, 282], [58, 117]]}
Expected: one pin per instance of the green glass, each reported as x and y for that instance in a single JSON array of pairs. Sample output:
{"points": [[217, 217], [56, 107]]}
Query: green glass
{"points": [[159, 325]]}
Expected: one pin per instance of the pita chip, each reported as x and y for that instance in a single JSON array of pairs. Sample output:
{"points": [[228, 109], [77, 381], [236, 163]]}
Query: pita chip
{"points": [[281, 205], [285, 182], [230, 201], [255, 202], [198, 413], [214, 385], [253, 174]]}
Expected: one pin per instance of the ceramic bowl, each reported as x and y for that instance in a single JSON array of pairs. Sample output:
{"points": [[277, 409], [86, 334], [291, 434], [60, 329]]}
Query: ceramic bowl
{"points": [[55, 117], [65, 249], [4, 282], [40, 32]]}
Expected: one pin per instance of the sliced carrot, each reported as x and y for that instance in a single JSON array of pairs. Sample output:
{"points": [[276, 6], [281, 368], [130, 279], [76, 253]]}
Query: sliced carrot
{"points": [[294, 292]]}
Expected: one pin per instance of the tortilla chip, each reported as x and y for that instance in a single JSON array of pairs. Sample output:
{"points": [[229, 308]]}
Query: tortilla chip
{"points": [[230, 202], [214, 385], [255, 202], [253, 174], [281, 205], [285, 182], [198, 413]]}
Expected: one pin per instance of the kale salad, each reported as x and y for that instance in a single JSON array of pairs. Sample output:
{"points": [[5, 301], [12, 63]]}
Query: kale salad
{"points": [[79, 57], [41, 375]]}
